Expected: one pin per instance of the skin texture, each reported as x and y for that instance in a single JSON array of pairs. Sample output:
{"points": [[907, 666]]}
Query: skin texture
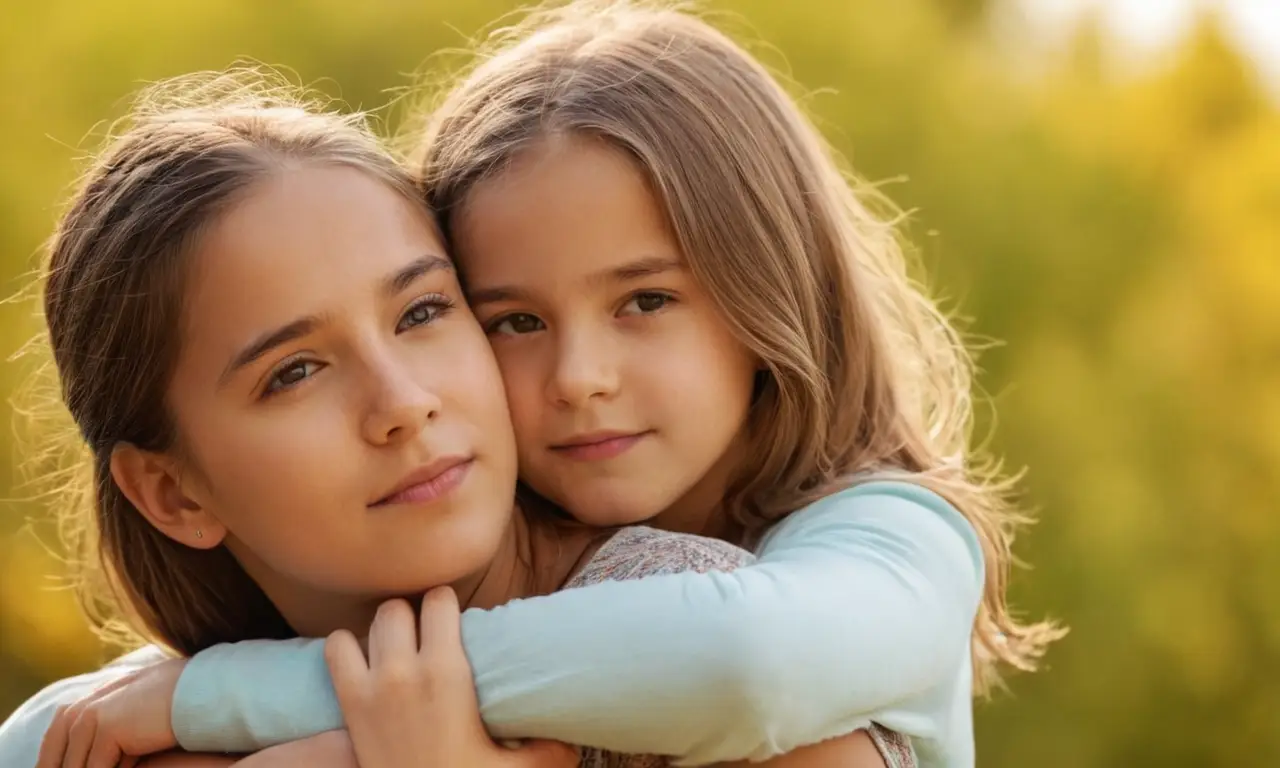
{"points": [[598, 325], [287, 456], [392, 376]]}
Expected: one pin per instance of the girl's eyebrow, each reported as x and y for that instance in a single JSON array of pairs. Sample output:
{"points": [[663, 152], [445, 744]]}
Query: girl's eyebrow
{"points": [[268, 341], [406, 275], [394, 283], [643, 267], [495, 295]]}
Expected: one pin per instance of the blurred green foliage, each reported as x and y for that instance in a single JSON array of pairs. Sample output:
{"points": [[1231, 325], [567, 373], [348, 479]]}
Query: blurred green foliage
{"points": [[1119, 236]]}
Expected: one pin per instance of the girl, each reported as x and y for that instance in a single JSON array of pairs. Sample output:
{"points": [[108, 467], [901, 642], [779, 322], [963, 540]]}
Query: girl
{"points": [[292, 417], [699, 324]]}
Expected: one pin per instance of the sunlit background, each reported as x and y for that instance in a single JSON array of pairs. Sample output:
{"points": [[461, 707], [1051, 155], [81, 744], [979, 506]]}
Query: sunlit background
{"points": [[1096, 185]]}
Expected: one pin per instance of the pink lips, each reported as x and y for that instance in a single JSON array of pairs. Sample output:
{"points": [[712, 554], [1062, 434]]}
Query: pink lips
{"points": [[431, 483], [599, 446]]}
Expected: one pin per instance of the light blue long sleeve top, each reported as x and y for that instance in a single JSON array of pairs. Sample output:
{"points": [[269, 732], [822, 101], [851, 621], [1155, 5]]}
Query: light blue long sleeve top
{"points": [[858, 609]]}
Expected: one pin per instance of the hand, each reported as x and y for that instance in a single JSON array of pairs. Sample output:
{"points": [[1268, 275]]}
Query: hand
{"points": [[413, 703], [116, 724]]}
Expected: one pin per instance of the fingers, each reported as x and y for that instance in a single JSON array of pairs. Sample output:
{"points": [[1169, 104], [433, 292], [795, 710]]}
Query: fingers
{"points": [[81, 735], [441, 623], [442, 650], [104, 752], [347, 666], [393, 638], [104, 749], [54, 745], [538, 753]]}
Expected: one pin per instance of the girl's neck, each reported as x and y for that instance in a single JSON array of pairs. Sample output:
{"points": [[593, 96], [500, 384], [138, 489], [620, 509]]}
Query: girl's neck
{"points": [[536, 557], [701, 509]]}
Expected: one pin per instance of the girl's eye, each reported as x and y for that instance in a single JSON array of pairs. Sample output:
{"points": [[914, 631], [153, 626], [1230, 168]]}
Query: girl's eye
{"points": [[516, 324], [290, 375], [426, 311], [646, 303]]}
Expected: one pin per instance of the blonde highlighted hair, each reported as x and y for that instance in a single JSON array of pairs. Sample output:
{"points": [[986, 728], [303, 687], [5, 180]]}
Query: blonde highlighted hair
{"points": [[865, 373]]}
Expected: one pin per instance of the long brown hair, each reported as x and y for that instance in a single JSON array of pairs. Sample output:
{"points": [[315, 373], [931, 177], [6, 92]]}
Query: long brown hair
{"points": [[189, 150], [865, 373]]}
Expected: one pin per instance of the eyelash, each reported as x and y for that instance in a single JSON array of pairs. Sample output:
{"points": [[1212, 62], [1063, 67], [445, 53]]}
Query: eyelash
{"points": [[438, 302], [667, 300]]}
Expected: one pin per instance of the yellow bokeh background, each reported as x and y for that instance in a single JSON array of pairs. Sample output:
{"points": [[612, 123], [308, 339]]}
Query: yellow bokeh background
{"points": [[1118, 233]]}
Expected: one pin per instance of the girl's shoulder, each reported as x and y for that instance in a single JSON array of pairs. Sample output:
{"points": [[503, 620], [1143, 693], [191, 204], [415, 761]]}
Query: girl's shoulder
{"points": [[880, 506], [873, 488], [637, 551]]}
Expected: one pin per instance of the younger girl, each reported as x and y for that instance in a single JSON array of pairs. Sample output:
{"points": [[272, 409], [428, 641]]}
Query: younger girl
{"points": [[293, 417], [698, 324]]}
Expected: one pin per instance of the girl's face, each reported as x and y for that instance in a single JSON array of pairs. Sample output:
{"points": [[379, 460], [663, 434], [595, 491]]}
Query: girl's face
{"points": [[341, 415], [628, 391]]}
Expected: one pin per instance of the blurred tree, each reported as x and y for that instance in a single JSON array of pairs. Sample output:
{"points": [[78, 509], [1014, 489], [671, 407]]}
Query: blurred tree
{"points": [[1119, 235]]}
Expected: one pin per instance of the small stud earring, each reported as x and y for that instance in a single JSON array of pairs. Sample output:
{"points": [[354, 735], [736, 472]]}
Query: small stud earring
{"points": [[199, 534]]}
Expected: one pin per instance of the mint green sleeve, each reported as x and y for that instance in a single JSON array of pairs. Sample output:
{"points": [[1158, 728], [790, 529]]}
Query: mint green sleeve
{"points": [[859, 607]]}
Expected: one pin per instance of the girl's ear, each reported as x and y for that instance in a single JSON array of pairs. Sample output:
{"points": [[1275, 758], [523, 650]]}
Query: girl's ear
{"points": [[152, 483]]}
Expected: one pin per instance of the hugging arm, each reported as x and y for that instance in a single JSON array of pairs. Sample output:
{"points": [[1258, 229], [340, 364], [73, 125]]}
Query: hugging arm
{"points": [[856, 605]]}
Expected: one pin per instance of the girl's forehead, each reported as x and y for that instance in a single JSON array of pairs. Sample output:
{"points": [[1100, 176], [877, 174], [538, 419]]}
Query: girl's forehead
{"points": [[305, 244]]}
